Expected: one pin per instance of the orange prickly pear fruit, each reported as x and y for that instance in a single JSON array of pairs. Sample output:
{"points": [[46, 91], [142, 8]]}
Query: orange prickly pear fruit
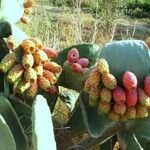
{"points": [[52, 66], [28, 46], [40, 57], [50, 76], [43, 83]]}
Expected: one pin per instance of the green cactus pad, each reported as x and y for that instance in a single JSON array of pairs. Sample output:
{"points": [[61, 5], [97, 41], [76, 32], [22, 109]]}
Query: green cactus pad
{"points": [[127, 55], [90, 51]]}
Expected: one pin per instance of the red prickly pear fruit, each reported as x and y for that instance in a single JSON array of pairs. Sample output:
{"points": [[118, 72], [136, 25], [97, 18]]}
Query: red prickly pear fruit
{"points": [[131, 112], [120, 109], [131, 97], [28, 46], [50, 76], [105, 95], [144, 99], [15, 73], [119, 95], [27, 61], [84, 62], [147, 85], [109, 81], [75, 67], [52, 66], [73, 55], [129, 80], [50, 53], [103, 107], [43, 83], [103, 66], [7, 62]]}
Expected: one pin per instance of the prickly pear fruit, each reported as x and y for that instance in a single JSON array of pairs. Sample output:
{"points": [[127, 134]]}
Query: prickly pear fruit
{"points": [[50, 53], [144, 99], [73, 55], [77, 68], [84, 62], [120, 109], [43, 83], [38, 69], [52, 66], [37, 42], [27, 61], [109, 81], [40, 57], [131, 112], [129, 80], [141, 111], [93, 96], [105, 95], [50, 76], [7, 62], [30, 75], [28, 46], [103, 107], [103, 66], [119, 95], [147, 85], [21, 86], [15, 73], [113, 116], [32, 90], [131, 98]]}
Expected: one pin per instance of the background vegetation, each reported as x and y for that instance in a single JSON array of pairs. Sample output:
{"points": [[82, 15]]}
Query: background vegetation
{"points": [[61, 23]]}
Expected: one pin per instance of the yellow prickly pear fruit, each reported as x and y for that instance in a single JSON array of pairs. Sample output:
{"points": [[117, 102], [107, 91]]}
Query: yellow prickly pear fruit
{"points": [[30, 75], [27, 61], [7, 62], [15, 73]]}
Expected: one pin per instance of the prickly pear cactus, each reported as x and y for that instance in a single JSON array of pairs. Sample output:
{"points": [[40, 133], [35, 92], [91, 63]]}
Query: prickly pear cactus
{"points": [[42, 139], [73, 76], [132, 56]]}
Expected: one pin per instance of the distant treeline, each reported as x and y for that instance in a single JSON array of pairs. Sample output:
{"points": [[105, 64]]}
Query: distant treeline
{"points": [[138, 8]]}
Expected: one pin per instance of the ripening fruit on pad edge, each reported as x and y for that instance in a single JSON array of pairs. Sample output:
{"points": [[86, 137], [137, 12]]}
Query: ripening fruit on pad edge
{"points": [[73, 55], [129, 80]]}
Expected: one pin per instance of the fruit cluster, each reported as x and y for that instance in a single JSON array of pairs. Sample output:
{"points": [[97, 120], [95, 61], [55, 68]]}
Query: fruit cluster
{"points": [[119, 103], [28, 6], [35, 70], [77, 64]]}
